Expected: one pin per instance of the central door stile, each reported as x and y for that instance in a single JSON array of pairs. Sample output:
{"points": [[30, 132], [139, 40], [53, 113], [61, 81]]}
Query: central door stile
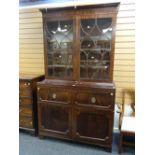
{"points": [[76, 58]]}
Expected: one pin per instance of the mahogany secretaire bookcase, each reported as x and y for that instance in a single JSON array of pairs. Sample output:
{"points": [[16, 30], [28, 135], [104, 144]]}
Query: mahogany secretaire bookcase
{"points": [[76, 99]]}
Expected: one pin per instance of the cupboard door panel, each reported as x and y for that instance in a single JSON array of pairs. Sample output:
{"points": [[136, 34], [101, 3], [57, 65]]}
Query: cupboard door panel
{"points": [[54, 118], [93, 125]]}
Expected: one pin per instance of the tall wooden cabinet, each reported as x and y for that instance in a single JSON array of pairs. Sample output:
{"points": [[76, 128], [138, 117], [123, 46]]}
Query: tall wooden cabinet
{"points": [[76, 99]]}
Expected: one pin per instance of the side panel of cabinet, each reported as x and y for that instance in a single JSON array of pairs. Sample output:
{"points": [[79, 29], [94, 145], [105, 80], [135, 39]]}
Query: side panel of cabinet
{"points": [[54, 119], [93, 126]]}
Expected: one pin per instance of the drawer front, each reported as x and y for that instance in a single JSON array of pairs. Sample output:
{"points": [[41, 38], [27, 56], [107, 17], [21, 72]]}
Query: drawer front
{"points": [[25, 93], [25, 102], [25, 111], [25, 122], [104, 99], [24, 84], [54, 94]]}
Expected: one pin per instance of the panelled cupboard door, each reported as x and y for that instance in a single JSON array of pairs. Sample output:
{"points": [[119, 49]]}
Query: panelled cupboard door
{"points": [[54, 118], [93, 126]]}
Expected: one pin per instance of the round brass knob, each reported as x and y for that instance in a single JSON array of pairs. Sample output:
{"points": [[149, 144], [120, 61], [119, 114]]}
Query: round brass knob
{"points": [[54, 96], [93, 100], [111, 94]]}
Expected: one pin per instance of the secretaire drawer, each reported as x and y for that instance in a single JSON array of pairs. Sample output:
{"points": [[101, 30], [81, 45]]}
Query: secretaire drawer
{"points": [[25, 111], [54, 94], [104, 99], [25, 122]]}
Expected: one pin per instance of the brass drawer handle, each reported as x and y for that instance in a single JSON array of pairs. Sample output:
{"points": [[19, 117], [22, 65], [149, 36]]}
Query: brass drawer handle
{"points": [[112, 94], [41, 99], [93, 100], [38, 88], [25, 84], [54, 96]]}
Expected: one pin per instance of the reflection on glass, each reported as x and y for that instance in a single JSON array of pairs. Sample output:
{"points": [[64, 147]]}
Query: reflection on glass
{"points": [[96, 36], [59, 35]]}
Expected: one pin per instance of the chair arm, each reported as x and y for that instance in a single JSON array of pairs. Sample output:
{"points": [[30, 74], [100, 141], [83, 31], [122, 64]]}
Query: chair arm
{"points": [[119, 106]]}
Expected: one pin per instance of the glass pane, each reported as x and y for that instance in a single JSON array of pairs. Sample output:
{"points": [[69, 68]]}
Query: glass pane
{"points": [[96, 37], [59, 47]]}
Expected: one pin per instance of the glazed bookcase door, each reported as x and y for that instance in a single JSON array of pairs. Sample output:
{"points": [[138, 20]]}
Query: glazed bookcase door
{"points": [[95, 48], [59, 41]]}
